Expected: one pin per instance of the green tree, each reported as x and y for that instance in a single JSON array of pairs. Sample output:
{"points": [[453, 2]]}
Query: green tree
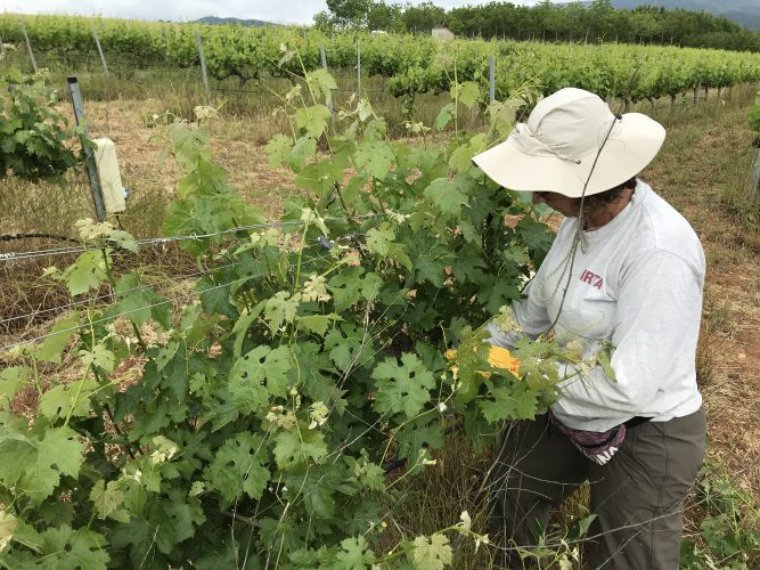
{"points": [[349, 13], [423, 17]]}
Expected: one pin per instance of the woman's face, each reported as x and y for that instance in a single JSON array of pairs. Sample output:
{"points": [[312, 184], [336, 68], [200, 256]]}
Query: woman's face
{"points": [[568, 207]]}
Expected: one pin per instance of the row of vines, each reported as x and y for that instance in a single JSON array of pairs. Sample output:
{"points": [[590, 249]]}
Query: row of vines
{"points": [[415, 64]]}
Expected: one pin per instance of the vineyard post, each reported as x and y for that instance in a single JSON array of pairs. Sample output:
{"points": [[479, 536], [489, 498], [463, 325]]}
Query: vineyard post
{"points": [[204, 75], [754, 188], [359, 68], [92, 167], [100, 51], [323, 60], [29, 48], [492, 78]]}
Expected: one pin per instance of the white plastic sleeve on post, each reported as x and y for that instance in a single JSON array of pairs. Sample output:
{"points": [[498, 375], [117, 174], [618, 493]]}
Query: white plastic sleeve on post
{"points": [[110, 176]]}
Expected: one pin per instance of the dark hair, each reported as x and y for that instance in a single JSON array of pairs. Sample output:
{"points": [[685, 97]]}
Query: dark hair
{"points": [[596, 202]]}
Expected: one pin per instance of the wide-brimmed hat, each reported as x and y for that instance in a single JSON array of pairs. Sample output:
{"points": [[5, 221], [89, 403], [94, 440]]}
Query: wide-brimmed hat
{"points": [[572, 140]]}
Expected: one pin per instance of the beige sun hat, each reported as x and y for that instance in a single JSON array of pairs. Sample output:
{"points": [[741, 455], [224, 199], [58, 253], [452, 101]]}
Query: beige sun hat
{"points": [[556, 149]]}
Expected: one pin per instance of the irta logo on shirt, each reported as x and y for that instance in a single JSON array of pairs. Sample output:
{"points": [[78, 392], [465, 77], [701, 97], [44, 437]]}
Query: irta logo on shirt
{"points": [[591, 278]]}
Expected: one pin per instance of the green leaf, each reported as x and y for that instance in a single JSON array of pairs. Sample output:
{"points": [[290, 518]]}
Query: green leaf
{"points": [[379, 239], [140, 303], [108, 501], [419, 436], [99, 357], [238, 467], [281, 309], [87, 272], [461, 158], [67, 549], [445, 196], [467, 93], [402, 388], [261, 373], [515, 403], [298, 447], [374, 158], [37, 466], [445, 117], [12, 380], [65, 399], [321, 80], [349, 287], [278, 149], [123, 239], [432, 553], [313, 119], [354, 555], [60, 335], [318, 324], [305, 148]]}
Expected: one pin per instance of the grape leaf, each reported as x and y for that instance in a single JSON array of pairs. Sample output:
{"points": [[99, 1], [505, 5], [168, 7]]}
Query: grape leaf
{"points": [[60, 335], [281, 309], [278, 149], [37, 465], [379, 240], [140, 303], [12, 379], [108, 501], [313, 119], [62, 399], [87, 272], [446, 196], [257, 375], [432, 553], [402, 388], [239, 467], [354, 555], [374, 158], [294, 448], [67, 549], [514, 403]]}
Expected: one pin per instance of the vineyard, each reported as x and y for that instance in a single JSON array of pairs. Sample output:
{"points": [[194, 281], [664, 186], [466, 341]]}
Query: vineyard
{"points": [[415, 64], [276, 404]]}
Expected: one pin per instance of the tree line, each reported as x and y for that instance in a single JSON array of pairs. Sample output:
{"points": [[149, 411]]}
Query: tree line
{"points": [[597, 21]]}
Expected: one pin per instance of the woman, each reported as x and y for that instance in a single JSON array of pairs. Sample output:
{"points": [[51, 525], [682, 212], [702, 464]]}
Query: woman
{"points": [[626, 270]]}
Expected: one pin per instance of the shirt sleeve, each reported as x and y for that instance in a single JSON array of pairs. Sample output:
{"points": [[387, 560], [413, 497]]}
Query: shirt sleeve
{"points": [[654, 341], [530, 312]]}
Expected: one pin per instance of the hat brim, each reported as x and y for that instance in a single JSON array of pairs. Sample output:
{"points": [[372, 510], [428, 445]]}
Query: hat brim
{"points": [[633, 145]]}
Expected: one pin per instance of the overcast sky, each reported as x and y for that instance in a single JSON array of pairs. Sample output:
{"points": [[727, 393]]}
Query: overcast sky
{"points": [[282, 11]]}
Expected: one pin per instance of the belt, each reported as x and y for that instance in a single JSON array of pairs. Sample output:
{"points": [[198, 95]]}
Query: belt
{"points": [[636, 420]]}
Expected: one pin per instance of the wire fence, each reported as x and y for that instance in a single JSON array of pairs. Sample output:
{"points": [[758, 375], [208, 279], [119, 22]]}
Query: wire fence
{"points": [[10, 321]]}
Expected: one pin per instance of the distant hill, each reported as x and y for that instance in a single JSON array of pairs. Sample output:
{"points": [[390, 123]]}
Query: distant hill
{"points": [[233, 22], [745, 12]]}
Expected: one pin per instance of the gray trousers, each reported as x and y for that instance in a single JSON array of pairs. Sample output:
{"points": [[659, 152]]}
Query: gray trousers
{"points": [[637, 496]]}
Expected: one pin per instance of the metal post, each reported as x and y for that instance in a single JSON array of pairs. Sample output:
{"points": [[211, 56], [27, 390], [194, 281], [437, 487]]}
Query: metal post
{"points": [[323, 59], [359, 68], [754, 188], [92, 167], [29, 47], [100, 51], [492, 78], [203, 67]]}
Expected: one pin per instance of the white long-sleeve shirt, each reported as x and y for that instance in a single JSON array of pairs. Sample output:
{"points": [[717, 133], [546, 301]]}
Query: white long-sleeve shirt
{"points": [[636, 284]]}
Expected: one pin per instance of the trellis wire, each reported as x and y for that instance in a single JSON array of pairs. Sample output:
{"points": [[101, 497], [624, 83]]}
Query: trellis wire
{"points": [[16, 256]]}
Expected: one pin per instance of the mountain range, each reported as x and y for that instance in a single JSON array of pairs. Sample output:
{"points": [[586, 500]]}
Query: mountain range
{"points": [[744, 12], [232, 21]]}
